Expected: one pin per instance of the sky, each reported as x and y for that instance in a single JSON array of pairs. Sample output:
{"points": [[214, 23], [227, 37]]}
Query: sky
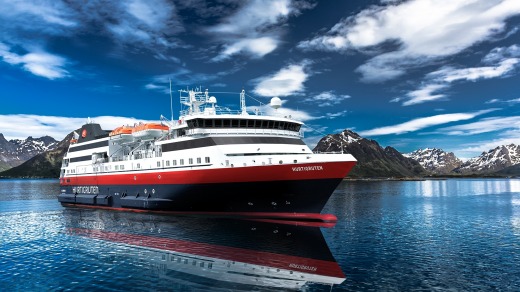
{"points": [[408, 74]]}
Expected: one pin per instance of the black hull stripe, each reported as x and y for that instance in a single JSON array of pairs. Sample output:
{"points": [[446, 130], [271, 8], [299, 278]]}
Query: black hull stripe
{"points": [[81, 158], [88, 146], [212, 141]]}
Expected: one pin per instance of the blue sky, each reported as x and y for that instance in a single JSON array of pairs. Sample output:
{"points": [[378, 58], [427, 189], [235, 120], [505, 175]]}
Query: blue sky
{"points": [[408, 74]]}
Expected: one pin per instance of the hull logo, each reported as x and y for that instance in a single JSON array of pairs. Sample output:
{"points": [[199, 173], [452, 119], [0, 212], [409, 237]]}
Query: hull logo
{"points": [[308, 168], [85, 190]]}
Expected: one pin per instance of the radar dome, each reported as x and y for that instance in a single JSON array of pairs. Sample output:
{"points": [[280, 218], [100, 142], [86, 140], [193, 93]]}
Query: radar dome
{"points": [[276, 103], [212, 99]]}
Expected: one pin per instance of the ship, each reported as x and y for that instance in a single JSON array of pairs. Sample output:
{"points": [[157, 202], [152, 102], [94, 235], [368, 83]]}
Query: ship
{"points": [[212, 160], [182, 252]]}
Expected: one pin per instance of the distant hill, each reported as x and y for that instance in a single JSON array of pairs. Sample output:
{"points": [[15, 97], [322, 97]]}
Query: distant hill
{"points": [[43, 165], [492, 161], [15, 152], [373, 160], [435, 161]]}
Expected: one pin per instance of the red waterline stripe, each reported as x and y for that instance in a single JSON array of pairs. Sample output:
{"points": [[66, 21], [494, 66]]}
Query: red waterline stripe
{"points": [[262, 258]]}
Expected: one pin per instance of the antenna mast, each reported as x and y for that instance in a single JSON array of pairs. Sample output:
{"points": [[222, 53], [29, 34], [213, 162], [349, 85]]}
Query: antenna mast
{"points": [[171, 99], [243, 102]]}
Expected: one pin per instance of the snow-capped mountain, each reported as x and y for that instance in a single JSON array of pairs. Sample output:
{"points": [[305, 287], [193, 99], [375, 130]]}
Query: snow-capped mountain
{"points": [[494, 160], [435, 160], [15, 152], [373, 160]]}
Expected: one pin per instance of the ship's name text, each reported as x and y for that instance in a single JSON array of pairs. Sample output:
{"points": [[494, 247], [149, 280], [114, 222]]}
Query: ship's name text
{"points": [[85, 190], [307, 168], [303, 267]]}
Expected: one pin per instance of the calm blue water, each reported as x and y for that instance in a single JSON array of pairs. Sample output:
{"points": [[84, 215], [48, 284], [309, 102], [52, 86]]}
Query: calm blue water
{"points": [[411, 235]]}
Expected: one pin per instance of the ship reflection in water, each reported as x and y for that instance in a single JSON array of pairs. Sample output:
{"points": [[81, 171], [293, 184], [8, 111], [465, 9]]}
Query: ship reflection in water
{"points": [[210, 253]]}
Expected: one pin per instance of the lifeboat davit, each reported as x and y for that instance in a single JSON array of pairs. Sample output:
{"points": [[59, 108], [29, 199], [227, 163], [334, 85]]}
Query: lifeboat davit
{"points": [[122, 134], [149, 131]]}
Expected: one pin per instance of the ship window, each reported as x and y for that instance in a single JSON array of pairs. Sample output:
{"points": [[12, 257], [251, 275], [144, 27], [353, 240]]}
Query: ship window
{"points": [[251, 124], [190, 160], [167, 163], [138, 165], [194, 262], [158, 164], [68, 171], [122, 167], [207, 159], [234, 123], [178, 260], [181, 161], [210, 265], [243, 123], [202, 264], [117, 167], [218, 123], [186, 261], [196, 123], [172, 258], [174, 162], [199, 160], [226, 123], [190, 124]]}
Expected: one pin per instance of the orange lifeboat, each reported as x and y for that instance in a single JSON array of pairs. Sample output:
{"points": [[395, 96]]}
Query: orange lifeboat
{"points": [[149, 130], [123, 133]]}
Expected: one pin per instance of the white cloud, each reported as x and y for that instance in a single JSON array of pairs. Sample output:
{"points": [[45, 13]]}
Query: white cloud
{"points": [[421, 123], [255, 28], [487, 125], [38, 62], [425, 94], [21, 126], [501, 62], [473, 74], [422, 31], [298, 115], [326, 98], [288, 81], [257, 48]]}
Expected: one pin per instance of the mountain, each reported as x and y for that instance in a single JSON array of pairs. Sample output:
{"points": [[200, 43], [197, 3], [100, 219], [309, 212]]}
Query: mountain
{"points": [[373, 160], [435, 161], [46, 164], [15, 152], [494, 160]]}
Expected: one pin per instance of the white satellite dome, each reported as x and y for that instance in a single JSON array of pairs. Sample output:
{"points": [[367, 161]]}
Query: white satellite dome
{"points": [[276, 103], [212, 99]]}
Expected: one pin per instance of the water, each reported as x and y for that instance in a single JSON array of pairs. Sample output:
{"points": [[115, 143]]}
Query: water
{"points": [[391, 235]]}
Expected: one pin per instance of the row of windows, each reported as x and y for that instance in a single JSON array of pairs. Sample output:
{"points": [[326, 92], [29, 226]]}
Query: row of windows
{"points": [[181, 161], [243, 123], [138, 166]]}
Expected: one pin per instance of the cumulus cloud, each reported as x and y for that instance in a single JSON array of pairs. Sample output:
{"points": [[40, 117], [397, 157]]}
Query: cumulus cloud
{"points": [[21, 126], [255, 28], [326, 98], [419, 31], [38, 62], [288, 81], [421, 123]]}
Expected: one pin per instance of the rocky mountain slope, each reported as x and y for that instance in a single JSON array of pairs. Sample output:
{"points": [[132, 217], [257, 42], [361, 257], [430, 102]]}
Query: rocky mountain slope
{"points": [[15, 152], [373, 160], [494, 160], [46, 164], [435, 161]]}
